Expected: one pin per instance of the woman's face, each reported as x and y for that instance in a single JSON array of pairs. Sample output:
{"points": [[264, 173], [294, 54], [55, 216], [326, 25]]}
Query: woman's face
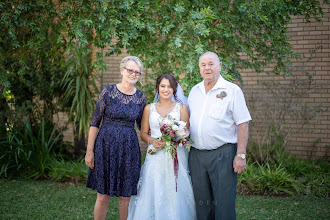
{"points": [[131, 72], [165, 89]]}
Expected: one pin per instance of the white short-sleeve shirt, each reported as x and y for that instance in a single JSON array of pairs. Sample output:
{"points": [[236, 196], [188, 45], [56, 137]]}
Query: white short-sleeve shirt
{"points": [[213, 121]]}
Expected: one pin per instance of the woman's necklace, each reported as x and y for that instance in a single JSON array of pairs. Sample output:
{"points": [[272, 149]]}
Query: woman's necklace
{"points": [[158, 104], [130, 91]]}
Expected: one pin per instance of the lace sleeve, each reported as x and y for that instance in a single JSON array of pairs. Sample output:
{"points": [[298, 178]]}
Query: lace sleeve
{"points": [[139, 119], [99, 109]]}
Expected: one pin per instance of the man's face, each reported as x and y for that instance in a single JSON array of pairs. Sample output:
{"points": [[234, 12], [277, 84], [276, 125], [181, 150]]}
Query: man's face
{"points": [[209, 67]]}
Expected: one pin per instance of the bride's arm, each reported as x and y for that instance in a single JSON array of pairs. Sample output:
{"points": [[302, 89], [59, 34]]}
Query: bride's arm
{"points": [[184, 114], [145, 126]]}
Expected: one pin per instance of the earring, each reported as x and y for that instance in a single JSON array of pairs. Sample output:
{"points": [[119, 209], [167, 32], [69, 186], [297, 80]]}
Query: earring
{"points": [[140, 83]]}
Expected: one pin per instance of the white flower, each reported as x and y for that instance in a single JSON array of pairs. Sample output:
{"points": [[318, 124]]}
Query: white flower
{"points": [[182, 133], [167, 120], [168, 143], [175, 128], [182, 124]]}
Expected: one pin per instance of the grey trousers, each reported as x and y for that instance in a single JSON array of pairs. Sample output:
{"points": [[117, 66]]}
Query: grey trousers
{"points": [[214, 182]]}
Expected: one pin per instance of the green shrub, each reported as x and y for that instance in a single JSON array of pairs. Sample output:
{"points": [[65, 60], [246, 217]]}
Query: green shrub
{"points": [[143, 158], [61, 170], [311, 177], [313, 185], [287, 175], [266, 179], [247, 181], [28, 152], [276, 180]]}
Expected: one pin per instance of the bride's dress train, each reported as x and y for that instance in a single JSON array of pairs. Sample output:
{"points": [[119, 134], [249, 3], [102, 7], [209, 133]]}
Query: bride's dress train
{"points": [[158, 195]]}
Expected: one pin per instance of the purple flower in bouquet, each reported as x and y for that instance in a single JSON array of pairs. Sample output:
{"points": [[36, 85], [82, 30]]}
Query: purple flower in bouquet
{"points": [[163, 127], [172, 133]]}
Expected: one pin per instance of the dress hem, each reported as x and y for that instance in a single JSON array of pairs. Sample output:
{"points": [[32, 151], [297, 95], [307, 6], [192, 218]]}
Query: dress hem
{"points": [[111, 194]]}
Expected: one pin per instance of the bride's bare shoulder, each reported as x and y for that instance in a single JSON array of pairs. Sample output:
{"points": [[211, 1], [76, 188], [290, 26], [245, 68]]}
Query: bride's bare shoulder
{"points": [[183, 107], [147, 107]]}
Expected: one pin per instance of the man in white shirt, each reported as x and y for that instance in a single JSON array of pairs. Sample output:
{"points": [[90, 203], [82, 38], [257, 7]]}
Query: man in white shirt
{"points": [[219, 129]]}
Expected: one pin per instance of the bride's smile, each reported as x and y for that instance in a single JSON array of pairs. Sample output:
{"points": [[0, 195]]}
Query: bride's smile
{"points": [[165, 89]]}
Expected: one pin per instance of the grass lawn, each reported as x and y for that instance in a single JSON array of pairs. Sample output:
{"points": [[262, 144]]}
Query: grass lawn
{"points": [[24, 199]]}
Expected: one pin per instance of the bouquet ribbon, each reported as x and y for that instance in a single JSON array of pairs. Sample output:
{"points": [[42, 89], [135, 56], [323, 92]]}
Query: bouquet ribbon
{"points": [[176, 168]]}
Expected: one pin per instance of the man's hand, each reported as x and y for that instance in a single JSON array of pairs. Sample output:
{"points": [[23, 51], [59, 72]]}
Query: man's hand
{"points": [[239, 164]]}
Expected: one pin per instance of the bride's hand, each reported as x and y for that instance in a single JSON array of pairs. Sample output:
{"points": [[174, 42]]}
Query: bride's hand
{"points": [[158, 144]]}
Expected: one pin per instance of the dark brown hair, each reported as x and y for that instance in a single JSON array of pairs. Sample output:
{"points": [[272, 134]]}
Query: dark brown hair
{"points": [[173, 83]]}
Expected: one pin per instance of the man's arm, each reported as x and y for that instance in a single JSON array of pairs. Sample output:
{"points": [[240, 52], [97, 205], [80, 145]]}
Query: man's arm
{"points": [[239, 164]]}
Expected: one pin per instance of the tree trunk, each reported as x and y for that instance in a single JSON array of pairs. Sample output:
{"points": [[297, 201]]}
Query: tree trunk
{"points": [[79, 143]]}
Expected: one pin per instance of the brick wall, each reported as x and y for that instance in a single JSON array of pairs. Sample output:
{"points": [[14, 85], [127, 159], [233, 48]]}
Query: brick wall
{"points": [[307, 118]]}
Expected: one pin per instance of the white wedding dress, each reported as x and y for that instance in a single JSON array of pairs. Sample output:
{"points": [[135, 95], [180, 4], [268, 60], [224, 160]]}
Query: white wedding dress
{"points": [[157, 197]]}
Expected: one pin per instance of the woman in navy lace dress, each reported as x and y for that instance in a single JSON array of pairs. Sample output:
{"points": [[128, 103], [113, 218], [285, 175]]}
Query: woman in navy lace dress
{"points": [[113, 152]]}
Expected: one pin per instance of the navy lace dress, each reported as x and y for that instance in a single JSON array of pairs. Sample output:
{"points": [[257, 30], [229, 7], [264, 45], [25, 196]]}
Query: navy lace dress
{"points": [[117, 154]]}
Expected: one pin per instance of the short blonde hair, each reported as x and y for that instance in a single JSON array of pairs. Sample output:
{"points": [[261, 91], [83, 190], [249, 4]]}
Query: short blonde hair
{"points": [[133, 58]]}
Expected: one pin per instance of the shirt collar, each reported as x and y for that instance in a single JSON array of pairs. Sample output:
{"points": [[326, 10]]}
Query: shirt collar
{"points": [[221, 84]]}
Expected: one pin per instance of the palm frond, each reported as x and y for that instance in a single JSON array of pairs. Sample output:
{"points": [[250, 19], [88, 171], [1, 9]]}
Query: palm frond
{"points": [[80, 88]]}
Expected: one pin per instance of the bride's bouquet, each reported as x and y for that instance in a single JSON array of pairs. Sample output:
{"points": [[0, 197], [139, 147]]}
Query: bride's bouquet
{"points": [[175, 134]]}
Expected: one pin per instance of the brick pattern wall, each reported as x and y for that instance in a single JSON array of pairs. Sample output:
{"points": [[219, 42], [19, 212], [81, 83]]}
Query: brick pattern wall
{"points": [[311, 40]]}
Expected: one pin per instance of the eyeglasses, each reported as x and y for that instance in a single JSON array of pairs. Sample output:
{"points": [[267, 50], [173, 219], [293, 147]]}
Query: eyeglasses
{"points": [[132, 71]]}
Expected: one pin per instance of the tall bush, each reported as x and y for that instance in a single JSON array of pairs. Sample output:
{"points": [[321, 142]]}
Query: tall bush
{"points": [[31, 61], [28, 151], [80, 88]]}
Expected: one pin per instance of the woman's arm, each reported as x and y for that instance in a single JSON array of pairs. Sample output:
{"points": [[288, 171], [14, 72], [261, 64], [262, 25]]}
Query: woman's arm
{"points": [[89, 158], [139, 118], [94, 128], [184, 114], [145, 125]]}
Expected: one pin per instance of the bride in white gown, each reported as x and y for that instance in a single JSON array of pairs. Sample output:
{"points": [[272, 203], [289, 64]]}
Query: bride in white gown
{"points": [[159, 195]]}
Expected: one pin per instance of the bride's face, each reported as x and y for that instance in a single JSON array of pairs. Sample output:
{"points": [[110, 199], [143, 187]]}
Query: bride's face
{"points": [[165, 89]]}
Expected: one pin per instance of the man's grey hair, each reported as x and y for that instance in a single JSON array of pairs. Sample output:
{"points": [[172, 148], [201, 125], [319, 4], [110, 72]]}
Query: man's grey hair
{"points": [[209, 52], [133, 58]]}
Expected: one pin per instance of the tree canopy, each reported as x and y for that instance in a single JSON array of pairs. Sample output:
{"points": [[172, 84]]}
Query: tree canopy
{"points": [[168, 35]]}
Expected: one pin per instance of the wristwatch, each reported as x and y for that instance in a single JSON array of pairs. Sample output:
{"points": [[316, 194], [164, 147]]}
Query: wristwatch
{"points": [[243, 156]]}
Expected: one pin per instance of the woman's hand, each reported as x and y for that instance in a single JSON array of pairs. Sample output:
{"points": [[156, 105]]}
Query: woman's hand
{"points": [[89, 159], [158, 144]]}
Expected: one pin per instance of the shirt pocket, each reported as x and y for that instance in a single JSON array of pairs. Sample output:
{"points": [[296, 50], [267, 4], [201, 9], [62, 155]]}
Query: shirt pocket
{"points": [[217, 111]]}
